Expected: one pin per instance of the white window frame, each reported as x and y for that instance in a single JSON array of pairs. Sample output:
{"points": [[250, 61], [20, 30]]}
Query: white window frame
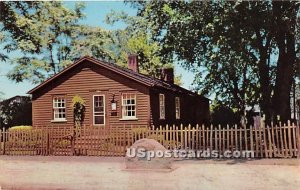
{"points": [[125, 106], [94, 113], [162, 106], [177, 107], [56, 108]]}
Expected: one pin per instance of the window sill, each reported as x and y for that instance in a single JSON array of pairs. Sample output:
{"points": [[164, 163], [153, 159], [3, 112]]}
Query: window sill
{"points": [[98, 125], [58, 121], [128, 119]]}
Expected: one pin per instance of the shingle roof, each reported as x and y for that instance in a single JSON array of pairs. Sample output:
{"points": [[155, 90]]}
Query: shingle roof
{"points": [[144, 79]]}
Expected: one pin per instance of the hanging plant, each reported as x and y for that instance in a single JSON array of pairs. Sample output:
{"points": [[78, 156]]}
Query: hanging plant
{"points": [[78, 105]]}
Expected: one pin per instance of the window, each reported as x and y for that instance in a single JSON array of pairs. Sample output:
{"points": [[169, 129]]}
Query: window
{"points": [[98, 110], [177, 107], [161, 106], [129, 106], [59, 108]]}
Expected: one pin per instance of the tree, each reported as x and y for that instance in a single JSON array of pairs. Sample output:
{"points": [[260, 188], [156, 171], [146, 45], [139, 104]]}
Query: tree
{"points": [[3, 55], [46, 53], [233, 45], [16, 24], [285, 16], [14, 113], [49, 37], [136, 39], [92, 41]]}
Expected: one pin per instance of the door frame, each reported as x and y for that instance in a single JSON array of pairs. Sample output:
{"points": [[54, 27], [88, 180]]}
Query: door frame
{"points": [[106, 119]]}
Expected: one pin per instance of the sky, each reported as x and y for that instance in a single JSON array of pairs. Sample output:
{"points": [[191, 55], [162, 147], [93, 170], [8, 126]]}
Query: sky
{"points": [[95, 16]]}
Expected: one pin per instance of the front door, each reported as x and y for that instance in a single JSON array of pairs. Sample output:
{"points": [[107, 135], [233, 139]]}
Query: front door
{"points": [[99, 110]]}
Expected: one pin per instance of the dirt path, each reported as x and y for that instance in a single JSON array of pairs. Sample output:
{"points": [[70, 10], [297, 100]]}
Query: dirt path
{"points": [[107, 173]]}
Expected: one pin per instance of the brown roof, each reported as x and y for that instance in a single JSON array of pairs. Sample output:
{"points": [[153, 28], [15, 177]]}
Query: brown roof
{"points": [[141, 78]]}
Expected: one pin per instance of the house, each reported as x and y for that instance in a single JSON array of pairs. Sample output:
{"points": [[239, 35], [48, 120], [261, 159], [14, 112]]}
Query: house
{"points": [[115, 96]]}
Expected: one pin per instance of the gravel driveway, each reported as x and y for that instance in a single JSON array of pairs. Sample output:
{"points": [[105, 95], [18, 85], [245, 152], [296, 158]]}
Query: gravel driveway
{"points": [[108, 173]]}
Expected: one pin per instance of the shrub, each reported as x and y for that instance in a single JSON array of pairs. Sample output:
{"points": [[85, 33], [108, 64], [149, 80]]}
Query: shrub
{"points": [[63, 143], [139, 131], [21, 127], [78, 105]]}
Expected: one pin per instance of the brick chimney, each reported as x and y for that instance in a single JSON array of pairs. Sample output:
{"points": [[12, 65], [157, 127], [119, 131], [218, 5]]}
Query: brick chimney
{"points": [[167, 74], [133, 62]]}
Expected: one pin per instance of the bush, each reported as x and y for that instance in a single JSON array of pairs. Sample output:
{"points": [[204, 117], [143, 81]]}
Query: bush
{"points": [[223, 115], [139, 131], [78, 105], [21, 127], [14, 113]]}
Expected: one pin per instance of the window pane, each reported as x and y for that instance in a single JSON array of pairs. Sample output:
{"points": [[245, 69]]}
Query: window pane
{"points": [[177, 107], [98, 110], [98, 104], [162, 106], [128, 105], [99, 120], [59, 107]]}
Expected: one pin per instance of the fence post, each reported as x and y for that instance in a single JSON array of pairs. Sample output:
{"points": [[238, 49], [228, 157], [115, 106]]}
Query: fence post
{"points": [[48, 143], [72, 139], [298, 141], [4, 139], [1, 140]]}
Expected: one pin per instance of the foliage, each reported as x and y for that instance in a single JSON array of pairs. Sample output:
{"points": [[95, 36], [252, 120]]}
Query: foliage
{"points": [[20, 127], [78, 106], [49, 37], [140, 130], [236, 49], [63, 143], [136, 39], [15, 113], [224, 115], [3, 55], [91, 41], [25, 135]]}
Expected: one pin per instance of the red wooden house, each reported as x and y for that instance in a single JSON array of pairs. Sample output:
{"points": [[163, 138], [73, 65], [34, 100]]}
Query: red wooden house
{"points": [[115, 96]]}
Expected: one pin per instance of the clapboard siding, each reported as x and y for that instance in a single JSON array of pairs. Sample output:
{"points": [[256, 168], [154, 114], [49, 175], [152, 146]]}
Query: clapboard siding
{"points": [[193, 109], [85, 80]]}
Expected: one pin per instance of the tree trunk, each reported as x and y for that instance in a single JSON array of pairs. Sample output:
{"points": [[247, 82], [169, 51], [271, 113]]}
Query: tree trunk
{"points": [[285, 39], [265, 83]]}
